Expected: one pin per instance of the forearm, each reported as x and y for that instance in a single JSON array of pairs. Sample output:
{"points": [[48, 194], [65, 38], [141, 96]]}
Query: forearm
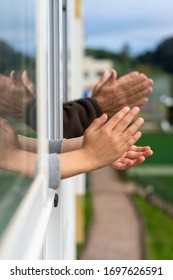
{"points": [[21, 162], [72, 144], [74, 163], [28, 144]]}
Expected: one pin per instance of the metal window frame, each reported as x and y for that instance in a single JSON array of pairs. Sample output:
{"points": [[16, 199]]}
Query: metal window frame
{"points": [[25, 234], [38, 230]]}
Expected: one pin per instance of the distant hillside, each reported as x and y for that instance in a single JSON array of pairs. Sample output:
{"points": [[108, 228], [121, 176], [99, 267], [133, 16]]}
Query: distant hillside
{"points": [[13, 60], [161, 57]]}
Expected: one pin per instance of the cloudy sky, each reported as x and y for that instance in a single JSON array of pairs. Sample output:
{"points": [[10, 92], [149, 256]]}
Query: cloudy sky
{"points": [[109, 24], [142, 24]]}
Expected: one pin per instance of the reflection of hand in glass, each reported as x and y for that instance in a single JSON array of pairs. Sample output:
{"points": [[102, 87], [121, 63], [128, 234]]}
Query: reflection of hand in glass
{"points": [[27, 83], [14, 96], [9, 143], [12, 157]]}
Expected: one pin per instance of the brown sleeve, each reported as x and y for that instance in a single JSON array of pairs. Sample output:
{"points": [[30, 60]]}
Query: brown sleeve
{"points": [[30, 114], [78, 115]]}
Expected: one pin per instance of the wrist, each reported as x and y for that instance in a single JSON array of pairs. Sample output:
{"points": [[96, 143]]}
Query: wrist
{"points": [[21, 162], [75, 162]]}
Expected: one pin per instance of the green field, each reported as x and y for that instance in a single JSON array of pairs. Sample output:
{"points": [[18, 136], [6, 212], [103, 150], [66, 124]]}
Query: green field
{"points": [[157, 171], [158, 231], [156, 174], [162, 146]]}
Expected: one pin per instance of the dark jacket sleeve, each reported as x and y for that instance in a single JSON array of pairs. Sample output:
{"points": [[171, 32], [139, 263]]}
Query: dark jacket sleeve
{"points": [[77, 116], [30, 114]]}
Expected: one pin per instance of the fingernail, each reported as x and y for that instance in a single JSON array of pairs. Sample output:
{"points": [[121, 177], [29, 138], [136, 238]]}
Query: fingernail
{"points": [[140, 120], [135, 109], [126, 109]]}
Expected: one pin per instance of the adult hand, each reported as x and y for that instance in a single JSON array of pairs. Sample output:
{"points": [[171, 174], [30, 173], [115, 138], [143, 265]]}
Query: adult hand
{"points": [[28, 83], [14, 96], [113, 94]]}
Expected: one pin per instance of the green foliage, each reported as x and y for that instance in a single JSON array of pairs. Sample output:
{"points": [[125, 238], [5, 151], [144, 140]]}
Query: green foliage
{"points": [[158, 60], [101, 54], [161, 56], [162, 146], [12, 60], [158, 229], [162, 186]]}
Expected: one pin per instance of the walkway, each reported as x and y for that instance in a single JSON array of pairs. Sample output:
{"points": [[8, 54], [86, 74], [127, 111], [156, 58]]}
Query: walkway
{"points": [[115, 231]]}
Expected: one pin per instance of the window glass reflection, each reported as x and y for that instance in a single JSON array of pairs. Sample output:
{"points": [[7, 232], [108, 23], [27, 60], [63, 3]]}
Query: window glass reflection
{"points": [[17, 92]]}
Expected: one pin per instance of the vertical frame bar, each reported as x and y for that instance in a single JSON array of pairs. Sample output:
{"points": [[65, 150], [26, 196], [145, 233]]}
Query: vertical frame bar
{"points": [[41, 71], [65, 48], [54, 237]]}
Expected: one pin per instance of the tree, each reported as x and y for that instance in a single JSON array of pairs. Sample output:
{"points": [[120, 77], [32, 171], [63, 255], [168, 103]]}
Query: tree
{"points": [[163, 55]]}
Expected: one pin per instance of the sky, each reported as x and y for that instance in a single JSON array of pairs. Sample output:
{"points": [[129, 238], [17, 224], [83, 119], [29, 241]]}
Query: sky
{"points": [[17, 24], [110, 24]]}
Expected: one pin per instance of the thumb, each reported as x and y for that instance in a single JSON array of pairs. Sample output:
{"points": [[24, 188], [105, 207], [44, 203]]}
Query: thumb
{"points": [[103, 78], [13, 77], [112, 77], [96, 124], [27, 82]]}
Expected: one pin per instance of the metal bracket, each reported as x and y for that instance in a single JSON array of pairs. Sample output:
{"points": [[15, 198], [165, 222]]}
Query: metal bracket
{"points": [[56, 200]]}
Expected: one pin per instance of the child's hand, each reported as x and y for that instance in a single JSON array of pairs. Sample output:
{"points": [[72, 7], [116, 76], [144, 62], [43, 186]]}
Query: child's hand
{"points": [[134, 156], [105, 142]]}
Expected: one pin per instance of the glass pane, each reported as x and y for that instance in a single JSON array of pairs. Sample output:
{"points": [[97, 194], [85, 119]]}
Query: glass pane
{"points": [[17, 102]]}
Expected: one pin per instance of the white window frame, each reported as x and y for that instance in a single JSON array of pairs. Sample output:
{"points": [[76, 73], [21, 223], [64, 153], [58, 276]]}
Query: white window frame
{"points": [[38, 230], [25, 234]]}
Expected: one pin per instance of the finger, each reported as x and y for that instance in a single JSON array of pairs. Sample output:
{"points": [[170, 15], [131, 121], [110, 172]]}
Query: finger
{"points": [[27, 82], [136, 98], [139, 148], [137, 154], [122, 164], [132, 129], [96, 124], [104, 77], [140, 89], [138, 161], [131, 141], [25, 77], [133, 82], [140, 102], [13, 77], [6, 126], [130, 80], [113, 122], [126, 120]]}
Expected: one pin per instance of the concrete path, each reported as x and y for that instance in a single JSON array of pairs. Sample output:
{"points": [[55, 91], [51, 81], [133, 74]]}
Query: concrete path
{"points": [[115, 231]]}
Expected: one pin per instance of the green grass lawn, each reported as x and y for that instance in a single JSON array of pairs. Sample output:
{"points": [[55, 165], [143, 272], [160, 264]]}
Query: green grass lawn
{"points": [[157, 170], [156, 173], [162, 146], [162, 186], [159, 231]]}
